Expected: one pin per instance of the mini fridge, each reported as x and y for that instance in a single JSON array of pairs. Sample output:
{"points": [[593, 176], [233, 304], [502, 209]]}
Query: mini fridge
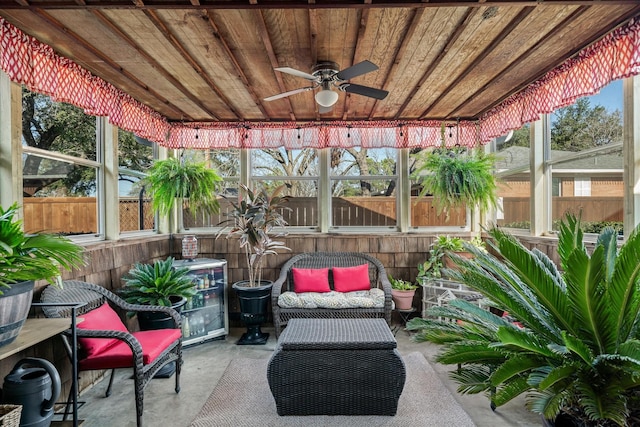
{"points": [[205, 316]]}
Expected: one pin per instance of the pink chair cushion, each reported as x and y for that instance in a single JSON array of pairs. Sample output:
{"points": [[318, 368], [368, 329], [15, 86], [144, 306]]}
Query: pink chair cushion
{"points": [[349, 279], [153, 343], [311, 280], [101, 318]]}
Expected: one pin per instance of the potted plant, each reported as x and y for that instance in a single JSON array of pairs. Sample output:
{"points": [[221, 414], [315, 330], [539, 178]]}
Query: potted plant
{"points": [[157, 284], [254, 218], [180, 181], [25, 258], [439, 253], [570, 341], [457, 177], [402, 292]]}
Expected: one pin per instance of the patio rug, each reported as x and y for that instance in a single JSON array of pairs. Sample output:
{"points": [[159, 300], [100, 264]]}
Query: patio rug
{"points": [[242, 398]]}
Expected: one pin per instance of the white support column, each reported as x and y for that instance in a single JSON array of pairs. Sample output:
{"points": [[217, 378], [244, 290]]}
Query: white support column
{"points": [[540, 177], [10, 143], [109, 135], [403, 191], [324, 193], [631, 152]]}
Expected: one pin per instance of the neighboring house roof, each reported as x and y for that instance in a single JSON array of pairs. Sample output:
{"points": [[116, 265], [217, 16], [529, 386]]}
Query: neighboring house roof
{"points": [[515, 157]]}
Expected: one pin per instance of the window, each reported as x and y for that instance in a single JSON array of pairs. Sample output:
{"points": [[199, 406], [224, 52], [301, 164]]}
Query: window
{"points": [[363, 187], [135, 156], [60, 167]]}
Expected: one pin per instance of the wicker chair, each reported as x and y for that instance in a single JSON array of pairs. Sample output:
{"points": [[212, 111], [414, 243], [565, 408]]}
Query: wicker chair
{"points": [[150, 350], [377, 276]]}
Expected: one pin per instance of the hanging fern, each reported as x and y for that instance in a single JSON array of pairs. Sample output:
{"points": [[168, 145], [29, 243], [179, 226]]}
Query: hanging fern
{"points": [[456, 178], [193, 183]]}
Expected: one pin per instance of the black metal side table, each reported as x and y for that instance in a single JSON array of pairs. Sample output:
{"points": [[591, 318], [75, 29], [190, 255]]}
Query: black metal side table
{"points": [[404, 318]]}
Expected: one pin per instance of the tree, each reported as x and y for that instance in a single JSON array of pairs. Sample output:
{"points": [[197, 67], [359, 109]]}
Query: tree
{"points": [[580, 126]]}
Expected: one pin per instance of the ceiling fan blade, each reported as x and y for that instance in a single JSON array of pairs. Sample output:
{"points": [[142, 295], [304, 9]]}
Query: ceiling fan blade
{"points": [[296, 73], [324, 110], [357, 70], [364, 90], [285, 94]]}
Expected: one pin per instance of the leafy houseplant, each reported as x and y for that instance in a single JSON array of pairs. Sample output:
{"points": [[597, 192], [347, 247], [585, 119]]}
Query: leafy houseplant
{"points": [[177, 180], [157, 283], [25, 258], [438, 255], [457, 177], [573, 346], [253, 220]]}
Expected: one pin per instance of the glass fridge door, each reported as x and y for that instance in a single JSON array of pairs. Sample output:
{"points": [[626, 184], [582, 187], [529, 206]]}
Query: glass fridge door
{"points": [[205, 315]]}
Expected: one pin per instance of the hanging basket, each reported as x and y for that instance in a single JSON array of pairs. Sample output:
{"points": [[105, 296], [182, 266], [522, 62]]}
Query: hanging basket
{"points": [[10, 415]]}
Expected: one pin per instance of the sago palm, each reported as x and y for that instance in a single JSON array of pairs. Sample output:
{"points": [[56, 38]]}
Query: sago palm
{"points": [[570, 342]]}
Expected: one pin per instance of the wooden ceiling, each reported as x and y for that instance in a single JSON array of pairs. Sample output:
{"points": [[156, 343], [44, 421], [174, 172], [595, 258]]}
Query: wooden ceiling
{"points": [[214, 60]]}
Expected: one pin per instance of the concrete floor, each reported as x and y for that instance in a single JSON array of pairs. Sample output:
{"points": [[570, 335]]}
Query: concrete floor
{"points": [[203, 366]]}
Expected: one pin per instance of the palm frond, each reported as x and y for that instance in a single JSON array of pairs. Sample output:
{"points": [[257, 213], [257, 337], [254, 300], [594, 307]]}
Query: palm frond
{"points": [[577, 346], [547, 403], [607, 403], [524, 340], [556, 375], [514, 366], [510, 389], [473, 379], [470, 352]]}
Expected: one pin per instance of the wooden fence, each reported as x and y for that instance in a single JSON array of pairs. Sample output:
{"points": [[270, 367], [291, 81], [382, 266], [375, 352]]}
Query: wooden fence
{"points": [[77, 215]]}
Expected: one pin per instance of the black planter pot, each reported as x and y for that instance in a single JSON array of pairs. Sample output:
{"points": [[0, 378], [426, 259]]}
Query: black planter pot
{"points": [[253, 310], [149, 320]]}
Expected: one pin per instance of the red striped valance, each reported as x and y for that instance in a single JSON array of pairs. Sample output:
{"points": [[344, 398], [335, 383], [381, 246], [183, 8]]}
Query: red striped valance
{"points": [[30, 62]]}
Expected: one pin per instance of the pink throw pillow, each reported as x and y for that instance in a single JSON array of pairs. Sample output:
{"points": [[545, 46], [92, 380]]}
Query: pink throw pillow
{"points": [[349, 279], [101, 318], [310, 280]]}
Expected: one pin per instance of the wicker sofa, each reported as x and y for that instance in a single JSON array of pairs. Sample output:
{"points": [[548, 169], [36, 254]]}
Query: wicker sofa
{"points": [[312, 260]]}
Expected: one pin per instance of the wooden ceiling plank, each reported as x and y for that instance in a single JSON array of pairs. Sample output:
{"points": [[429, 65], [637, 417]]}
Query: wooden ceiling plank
{"points": [[464, 21], [490, 47], [160, 25], [23, 3], [266, 41], [399, 54], [236, 65], [364, 20], [299, 4], [313, 42], [174, 81], [51, 20]]}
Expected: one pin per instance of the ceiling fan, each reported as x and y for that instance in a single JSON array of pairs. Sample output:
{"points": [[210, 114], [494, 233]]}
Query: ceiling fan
{"points": [[326, 75]]}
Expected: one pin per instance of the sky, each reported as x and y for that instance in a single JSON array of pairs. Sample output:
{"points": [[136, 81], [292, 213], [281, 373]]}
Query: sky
{"points": [[609, 97]]}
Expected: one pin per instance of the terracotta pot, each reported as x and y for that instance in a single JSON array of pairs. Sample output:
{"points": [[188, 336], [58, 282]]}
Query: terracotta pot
{"points": [[448, 262], [403, 299]]}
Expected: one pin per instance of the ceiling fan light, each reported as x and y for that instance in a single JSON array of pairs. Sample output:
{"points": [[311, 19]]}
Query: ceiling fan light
{"points": [[326, 98]]}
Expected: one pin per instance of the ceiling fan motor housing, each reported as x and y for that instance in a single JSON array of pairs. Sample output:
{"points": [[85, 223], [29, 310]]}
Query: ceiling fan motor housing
{"points": [[325, 70]]}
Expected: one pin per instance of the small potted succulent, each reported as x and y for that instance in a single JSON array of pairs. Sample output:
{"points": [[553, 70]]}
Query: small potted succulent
{"points": [[402, 292]]}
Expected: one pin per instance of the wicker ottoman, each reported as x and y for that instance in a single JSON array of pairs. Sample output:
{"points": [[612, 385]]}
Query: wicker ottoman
{"points": [[336, 367]]}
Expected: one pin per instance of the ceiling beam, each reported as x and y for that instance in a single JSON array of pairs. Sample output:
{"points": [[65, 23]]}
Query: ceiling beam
{"points": [[459, 28], [238, 68], [155, 19], [362, 27], [111, 63], [517, 20], [154, 63], [296, 4], [399, 55], [268, 46]]}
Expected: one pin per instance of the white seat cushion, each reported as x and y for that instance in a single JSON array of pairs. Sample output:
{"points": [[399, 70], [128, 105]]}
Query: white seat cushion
{"points": [[373, 298]]}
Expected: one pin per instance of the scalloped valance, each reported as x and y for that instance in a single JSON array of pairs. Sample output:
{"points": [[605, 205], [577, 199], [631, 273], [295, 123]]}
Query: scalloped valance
{"points": [[27, 61]]}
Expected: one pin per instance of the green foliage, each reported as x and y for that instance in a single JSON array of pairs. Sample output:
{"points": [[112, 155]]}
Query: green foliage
{"points": [[432, 267], [253, 219], [154, 284], [594, 227], [191, 182], [456, 178], [33, 256], [402, 285], [575, 347], [579, 126]]}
